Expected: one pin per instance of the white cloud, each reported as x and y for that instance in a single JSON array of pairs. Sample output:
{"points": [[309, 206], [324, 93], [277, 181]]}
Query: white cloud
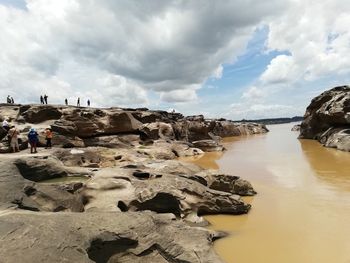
{"points": [[316, 35], [176, 96], [282, 69], [162, 46], [253, 94]]}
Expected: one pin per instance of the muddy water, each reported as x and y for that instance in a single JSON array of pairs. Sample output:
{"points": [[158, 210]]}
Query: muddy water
{"points": [[302, 210]]}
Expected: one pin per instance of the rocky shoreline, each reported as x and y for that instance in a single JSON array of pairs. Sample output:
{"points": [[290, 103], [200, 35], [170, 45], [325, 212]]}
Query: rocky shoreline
{"points": [[327, 119], [131, 199]]}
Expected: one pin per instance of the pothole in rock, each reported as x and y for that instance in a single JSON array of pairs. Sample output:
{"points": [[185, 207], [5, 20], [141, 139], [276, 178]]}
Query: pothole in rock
{"points": [[145, 175], [161, 203], [101, 250]]}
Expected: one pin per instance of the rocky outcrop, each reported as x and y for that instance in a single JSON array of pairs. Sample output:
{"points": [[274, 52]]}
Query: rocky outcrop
{"points": [[18, 191], [327, 119], [88, 122], [138, 189], [133, 201], [84, 127], [296, 127], [208, 145], [102, 237]]}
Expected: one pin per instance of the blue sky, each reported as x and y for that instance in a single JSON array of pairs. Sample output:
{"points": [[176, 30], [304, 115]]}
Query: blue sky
{"points": [[233, 59]]}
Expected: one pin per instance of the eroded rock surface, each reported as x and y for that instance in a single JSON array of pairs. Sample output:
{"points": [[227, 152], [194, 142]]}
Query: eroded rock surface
{"points": [[116, 127], [102, 237], [327, 119], [138, 202]]}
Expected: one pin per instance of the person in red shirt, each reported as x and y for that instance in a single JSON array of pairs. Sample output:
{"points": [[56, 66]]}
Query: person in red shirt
{"points": [[48, 138]]}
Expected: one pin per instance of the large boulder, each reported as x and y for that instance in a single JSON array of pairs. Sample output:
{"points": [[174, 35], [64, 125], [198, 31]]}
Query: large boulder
{"points": [[17, 191], [39, 113], [157, 130], [208, 145], [41, 168], [86, 122], [138, 189], [327, 119]]}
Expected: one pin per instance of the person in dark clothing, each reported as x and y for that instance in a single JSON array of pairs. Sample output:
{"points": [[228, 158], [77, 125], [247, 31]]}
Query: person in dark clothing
{"points": [[78, 102], [88, 103], [8, 99], [12, 100], [45, 98], [66, 102], [41, 99], [33, 140]]}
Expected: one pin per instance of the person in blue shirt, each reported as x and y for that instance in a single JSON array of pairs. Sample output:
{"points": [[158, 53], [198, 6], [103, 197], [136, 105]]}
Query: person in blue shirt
{"points": [[33, 140]]}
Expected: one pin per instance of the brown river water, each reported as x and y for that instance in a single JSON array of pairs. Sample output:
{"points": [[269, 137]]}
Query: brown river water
{"points": [[301, 213]]}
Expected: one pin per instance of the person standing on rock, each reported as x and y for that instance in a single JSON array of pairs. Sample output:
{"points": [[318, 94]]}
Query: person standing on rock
{"points": [[78, 102], [12, 100], [41, 99], [13, 139], [66, 102], [45, 98], [48, 138], [33, 140], [88, 103], [8, 99]]}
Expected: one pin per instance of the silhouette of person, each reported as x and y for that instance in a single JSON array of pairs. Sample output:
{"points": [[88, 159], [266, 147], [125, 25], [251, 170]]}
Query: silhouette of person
{"points": [[66, 102], [12, 100], [8, 99], [78, 102], [41, 99], [45, 98], [88, 103]]}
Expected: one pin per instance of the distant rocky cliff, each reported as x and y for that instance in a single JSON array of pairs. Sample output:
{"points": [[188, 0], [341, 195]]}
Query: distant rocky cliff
{"points": [[327, 119]]}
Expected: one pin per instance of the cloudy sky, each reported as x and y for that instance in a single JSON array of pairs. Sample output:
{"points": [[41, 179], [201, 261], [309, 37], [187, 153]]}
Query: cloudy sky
{"points": [[235, 58]]}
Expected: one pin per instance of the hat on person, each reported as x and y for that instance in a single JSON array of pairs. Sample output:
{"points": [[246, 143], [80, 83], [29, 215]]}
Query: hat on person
{"points": [[32, 129]]}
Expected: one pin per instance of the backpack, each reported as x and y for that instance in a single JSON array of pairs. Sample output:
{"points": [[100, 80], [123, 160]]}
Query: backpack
{"points": [[32, 136]]}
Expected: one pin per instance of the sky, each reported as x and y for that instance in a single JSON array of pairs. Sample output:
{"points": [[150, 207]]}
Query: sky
{"points": [[236, 59]]}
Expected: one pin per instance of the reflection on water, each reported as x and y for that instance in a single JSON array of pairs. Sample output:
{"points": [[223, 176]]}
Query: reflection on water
{"points": [[302, 210], [330, 166]]}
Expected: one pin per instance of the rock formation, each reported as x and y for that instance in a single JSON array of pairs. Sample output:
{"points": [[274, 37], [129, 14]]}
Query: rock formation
{"points": [[327, 119], [123, 195], [296, 127]]}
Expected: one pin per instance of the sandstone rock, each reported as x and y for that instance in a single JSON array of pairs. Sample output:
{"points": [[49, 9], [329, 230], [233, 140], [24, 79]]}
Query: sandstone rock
{"points": [[102, 237], [87, 122], [40, 168], [18, 191], [228, 183], [296, 127], [327, 119], [50, 198], [119, 189], [157, 130], [112, 141], [208, 145], [39, 113], [11, 182]]}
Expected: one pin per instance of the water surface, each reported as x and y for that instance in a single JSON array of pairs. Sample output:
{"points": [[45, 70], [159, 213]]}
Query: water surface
{"points": [[302, 210]]}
